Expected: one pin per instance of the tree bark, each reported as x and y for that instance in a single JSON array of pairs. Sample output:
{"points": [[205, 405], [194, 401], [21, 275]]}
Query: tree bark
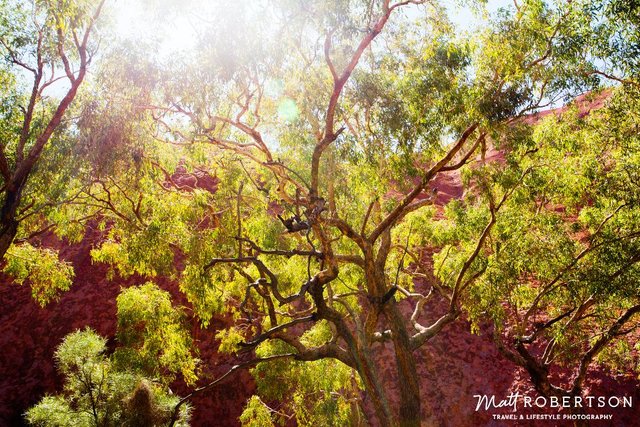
{"points": [[373, 387], [409, 415], [8, 221]]}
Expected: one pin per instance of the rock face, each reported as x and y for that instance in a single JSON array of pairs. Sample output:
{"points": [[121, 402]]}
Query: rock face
{"points": [[188, 181], [453, 367], [30, 335]]}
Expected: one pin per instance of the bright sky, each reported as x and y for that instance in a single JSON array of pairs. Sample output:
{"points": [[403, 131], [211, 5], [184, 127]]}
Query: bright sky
{"points": [[465, 19], [136, 20], [133, 20]]}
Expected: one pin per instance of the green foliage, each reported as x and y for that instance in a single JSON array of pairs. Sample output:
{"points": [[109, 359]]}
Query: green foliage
{"points": [[42, 268], [229, 340], [256, 414], [35, 30], [96, 393], [153, 334], [321, 393], [548, 229], [567, 235]]}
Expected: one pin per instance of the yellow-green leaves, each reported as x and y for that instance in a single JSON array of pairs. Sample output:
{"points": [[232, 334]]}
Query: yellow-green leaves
{"points": [[100, 393], [256, 414], [147, 245], [319, 393], [42, 268], [229, 340], [205, 294], [80, 348], [154, 333]]}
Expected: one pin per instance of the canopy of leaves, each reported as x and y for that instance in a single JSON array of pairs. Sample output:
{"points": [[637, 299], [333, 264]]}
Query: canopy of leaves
{"points": [[153, 335], [42, 268], [288, 180]]}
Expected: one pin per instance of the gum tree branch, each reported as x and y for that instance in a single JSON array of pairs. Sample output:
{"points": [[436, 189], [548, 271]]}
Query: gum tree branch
{"points": [[398, 211]]}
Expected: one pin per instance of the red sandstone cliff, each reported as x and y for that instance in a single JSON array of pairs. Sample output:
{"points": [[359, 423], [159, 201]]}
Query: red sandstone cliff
{"points": [[454, 366]]}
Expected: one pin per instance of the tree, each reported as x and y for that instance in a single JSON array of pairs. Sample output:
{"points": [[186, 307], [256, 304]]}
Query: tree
{"points": [[560, 279], [52, 43], [290, 180], [344, 142]]}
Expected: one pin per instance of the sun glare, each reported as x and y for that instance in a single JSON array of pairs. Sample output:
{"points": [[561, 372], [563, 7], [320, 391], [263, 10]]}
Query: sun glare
{"points": [[172, 30], [175, 26]]}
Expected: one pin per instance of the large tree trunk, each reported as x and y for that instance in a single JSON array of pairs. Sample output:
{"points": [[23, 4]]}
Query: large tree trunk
{"points": [[368, 372], [409, 414]]}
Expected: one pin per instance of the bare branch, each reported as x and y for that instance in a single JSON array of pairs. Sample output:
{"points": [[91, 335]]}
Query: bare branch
{"points": [[34, 153], [346, 229], [463, 161], [531, 338], [28, 115], [327, 56], [277, 329], [615, 78], [281, 252], [363, 229], [426, 333], [398, 211], [604, 339]]}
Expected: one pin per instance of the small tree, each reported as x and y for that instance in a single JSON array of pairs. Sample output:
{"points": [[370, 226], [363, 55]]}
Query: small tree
{"points": [[46, 46], [116, 390], [97, 394]]}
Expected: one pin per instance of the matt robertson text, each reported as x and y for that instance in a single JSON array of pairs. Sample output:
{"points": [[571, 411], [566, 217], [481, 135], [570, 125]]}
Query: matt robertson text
{"points": [[515, 399]]}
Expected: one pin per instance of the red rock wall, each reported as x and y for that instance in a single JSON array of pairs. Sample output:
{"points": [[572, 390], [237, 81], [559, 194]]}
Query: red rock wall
{"points": [[30, 335]]}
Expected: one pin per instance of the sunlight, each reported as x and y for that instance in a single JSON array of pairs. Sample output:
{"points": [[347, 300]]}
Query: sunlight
{"points": [[173, 26], [288, 110], [172, 29]]}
